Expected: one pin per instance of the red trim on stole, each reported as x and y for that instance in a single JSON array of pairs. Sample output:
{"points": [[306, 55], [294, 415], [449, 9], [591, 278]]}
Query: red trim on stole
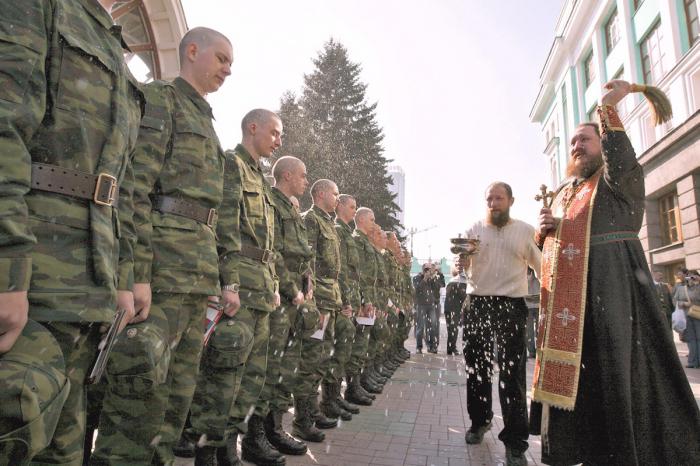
{"points": [[563, 296]]}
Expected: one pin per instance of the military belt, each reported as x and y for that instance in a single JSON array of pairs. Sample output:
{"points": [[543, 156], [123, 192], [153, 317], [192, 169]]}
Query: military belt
{"points": [[187, 209], [261, 255], [101, 189]]}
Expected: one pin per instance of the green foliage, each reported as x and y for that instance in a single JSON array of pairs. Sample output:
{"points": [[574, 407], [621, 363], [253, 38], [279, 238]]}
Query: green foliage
{"points": [[333, 129]]}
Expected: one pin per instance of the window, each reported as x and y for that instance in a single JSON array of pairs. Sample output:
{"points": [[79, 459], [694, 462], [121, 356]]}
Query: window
{"points": [[691, 19], [589, 70], [653, 56], [612, 32], [669, 219], [621, 107], [637, 4], [592, 116]]}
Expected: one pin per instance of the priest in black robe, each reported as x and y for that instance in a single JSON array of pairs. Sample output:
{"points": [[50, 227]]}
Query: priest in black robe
{"points": [[632, 404]]}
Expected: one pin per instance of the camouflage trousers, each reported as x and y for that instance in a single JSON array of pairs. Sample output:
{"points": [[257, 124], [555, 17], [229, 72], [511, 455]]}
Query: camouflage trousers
{"points": [[378, 341], [360, 347], [342, 349], [392, 321], [125, 407], [254, 369], [33, 390], [219, 380], [303, 322], [315, 357], [78, 343], [277, 347]]}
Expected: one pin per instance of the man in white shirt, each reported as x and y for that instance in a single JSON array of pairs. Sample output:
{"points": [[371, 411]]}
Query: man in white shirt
{"points": [[497, 314]]}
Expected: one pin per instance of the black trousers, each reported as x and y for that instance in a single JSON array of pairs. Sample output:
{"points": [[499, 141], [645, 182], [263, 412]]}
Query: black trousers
{"points": [[495, 330], [453, 319]]}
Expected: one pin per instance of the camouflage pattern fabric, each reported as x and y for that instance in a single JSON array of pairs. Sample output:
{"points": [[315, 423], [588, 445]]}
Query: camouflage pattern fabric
{"points": [[380, 333], [360, 347], [292, 264], [67, 99], [367, 260], [33, 389], [219, 380], [252, 373], [278, 344], [125, 409], [343, 339], [177, 155]]}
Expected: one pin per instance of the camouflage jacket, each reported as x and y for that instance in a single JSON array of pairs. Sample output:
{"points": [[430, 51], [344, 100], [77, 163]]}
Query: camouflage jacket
{"points": [[325, 262], [178, 156], [66, 99], [368, 268], [349, 279], [393, 285], [247, 219], [382, 281], [406, 286], [293, 254]]}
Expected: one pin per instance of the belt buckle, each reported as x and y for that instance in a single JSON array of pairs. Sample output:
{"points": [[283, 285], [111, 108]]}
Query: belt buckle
{"points": [[111, 194], [267, 256], [212, 217]]}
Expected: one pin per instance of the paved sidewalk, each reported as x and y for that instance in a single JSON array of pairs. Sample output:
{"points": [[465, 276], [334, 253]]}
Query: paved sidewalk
{"points": [[420, 419]]}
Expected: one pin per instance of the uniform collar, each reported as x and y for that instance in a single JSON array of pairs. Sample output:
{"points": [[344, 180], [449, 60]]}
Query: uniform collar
{"points": [[342, 224], [247, 158], [322, 212], [187, 89], [105, 19]]}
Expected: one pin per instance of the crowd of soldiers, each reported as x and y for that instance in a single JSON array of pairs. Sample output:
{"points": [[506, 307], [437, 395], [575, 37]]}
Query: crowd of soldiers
{"points": [[117, 195]]}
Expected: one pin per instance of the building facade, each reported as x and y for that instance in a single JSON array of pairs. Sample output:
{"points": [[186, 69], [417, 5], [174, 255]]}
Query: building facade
{"points": [[398, 187], [152, 29], [645, 41]]}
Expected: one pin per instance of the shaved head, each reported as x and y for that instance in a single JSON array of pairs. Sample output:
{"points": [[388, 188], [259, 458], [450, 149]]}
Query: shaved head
{"points": [[259, 116], [345, 198], [201, 36], [286, 164], [322, 186], [363, 216]]}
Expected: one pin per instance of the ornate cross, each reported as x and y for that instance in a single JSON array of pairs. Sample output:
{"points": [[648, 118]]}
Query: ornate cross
{"points": [[570, 252], [565, 317], [547, 197]]}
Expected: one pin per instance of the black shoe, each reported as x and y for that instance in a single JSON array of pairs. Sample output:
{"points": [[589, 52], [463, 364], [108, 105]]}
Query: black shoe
{"points": [[350, 408], [320, 420], [370, 386], [228, 455], [281, 440], [515, 458], [205, 456], [303, 426], [419, 350], [475, 435], [432, 350], [184, 448], [256, 448], [329, 405]]}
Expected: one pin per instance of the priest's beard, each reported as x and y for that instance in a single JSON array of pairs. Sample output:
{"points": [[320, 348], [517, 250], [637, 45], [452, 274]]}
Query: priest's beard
{"points": [[498, 219], [586, 169]]}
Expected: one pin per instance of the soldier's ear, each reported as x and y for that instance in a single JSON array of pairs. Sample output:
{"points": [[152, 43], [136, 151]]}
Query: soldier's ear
{"points": [[191, 51]]}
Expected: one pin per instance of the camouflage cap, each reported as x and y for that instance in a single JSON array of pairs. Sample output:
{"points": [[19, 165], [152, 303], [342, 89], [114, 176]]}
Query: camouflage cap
{"points": [[33, 389]]}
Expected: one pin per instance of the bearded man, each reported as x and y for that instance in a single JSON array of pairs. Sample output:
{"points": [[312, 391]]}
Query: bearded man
{"points": [[608, 387], [497, 285]]}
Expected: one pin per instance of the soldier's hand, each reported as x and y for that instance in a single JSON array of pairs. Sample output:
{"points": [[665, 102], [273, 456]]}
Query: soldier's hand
{"points": [[277, 300], [14, 309], [346, 311], [298, 299], [125, 300], [617, 90], [310, 295], [142, 302], [231, 302], [463, 261], [546, 221]]}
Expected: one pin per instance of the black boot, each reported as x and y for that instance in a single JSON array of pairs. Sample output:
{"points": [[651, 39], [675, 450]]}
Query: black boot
{"points": [[256, 448], [352, 393], [383, 371], [320, 420], [303, 426], [329, 405], [228, 455], [361, 390], [205, 456], [368, 384], [280, 439]]}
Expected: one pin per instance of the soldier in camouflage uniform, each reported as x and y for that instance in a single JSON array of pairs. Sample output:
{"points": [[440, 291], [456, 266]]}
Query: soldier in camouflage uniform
{"points": [[70, 112], [297, 313], [246, 235], [405, 319], [392, 257], [349, 282], [364, 228], [381, 332], [178, 166], [325, 264]]}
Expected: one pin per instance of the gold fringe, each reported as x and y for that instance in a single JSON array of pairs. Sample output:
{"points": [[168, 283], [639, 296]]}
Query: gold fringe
{"points": [[657, 100]]}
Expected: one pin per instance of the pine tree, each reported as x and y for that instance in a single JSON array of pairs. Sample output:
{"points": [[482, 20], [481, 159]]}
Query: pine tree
{"points": [[333, 129]]}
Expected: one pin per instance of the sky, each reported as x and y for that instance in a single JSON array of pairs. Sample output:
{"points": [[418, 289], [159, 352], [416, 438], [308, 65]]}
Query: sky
{"points": [[454, 80]]}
